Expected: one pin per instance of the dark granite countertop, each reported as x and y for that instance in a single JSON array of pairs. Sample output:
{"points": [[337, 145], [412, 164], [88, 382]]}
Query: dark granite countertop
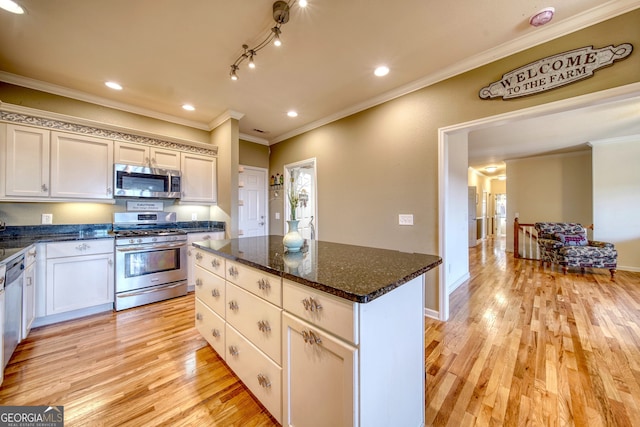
{"points": [[355, 273]]}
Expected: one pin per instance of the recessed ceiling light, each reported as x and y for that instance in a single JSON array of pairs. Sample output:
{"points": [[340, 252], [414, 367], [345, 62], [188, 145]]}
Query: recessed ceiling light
{"points": [[113, 85], [491, 169], [302, 3], [188, 107], [11, 6], [292, 114], [381, 71], [502, 177]]}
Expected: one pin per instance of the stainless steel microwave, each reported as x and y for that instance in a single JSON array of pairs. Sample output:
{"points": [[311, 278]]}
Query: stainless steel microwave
{"points": [[144, 182]]}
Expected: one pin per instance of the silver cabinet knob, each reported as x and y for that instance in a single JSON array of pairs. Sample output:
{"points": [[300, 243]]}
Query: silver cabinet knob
{"points": [[215, 263], [233, 305], [263, 284], [233, 271], [263, 326], [233, 350], [263, 380], [198, 282], [215, 293], [198, 256], [215, 333], [311, 337], [199, 316]]}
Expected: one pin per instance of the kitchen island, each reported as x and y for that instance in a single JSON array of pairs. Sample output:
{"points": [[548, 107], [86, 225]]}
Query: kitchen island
{"points": [[331, 335]]}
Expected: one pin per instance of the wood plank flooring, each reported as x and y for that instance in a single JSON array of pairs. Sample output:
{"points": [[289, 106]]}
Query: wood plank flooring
{"points": [[524, 346], [530, 346]]}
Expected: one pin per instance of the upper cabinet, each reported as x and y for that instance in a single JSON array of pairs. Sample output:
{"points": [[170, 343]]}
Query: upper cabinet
{"points": [[27, 162], [55, 165], [199, 178], [81, 167], [142, 155]]}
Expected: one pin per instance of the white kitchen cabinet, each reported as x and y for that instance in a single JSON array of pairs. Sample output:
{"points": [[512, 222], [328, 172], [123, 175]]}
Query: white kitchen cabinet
{"points": [[27, 161], [79, 274], [3, 270], [81, 167], [199, 178], [352, 364], [143, 155], [191, 251], [320, 377], [29, 291]]}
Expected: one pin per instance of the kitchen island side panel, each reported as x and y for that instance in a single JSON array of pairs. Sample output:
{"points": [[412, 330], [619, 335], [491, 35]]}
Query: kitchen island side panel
{"points": [[392, 366]]}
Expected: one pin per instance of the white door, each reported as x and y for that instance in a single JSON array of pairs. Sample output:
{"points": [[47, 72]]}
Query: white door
{"points": [[304, 185], [253, 194]]}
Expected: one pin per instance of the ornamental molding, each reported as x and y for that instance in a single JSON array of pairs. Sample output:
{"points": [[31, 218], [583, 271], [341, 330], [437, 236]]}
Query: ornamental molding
{"points": [[55, 124], [555, 71]]}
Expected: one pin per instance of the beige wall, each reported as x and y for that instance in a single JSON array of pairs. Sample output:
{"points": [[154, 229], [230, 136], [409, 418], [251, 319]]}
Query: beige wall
{"points": [[550, 188], [252, 154], [383, 161]]}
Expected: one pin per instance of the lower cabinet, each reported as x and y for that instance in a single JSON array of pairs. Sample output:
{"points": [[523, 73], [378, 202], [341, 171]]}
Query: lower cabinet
{"points": [[29, 291], [320, 380], [79, 275]]}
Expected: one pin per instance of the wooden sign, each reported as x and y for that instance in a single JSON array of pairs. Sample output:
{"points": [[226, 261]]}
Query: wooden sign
{"points": [[555, 71]]}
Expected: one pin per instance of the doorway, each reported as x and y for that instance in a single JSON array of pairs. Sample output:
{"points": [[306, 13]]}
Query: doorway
{"points": [[300, 178]]}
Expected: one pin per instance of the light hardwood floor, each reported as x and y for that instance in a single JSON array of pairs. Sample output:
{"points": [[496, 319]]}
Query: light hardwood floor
{"points": [[524, 346]]}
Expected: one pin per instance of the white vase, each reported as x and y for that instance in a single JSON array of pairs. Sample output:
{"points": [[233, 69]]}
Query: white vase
{"points": [[293, 240]]}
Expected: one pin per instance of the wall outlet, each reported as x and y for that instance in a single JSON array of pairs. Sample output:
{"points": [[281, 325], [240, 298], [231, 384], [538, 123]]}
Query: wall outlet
{"points": [[277, 215], [405, 219], [194, 216], [47, 218]]}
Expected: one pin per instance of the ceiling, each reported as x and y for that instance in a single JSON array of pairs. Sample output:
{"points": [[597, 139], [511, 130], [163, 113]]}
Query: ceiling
{"points": [[169, 52]]}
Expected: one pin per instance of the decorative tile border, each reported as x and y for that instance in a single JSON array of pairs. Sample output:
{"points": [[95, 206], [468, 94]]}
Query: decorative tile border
{"points": [[102, 133]]}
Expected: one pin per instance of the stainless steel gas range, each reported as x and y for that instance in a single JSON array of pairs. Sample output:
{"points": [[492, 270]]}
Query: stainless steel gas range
{"points": [[150, 257]]}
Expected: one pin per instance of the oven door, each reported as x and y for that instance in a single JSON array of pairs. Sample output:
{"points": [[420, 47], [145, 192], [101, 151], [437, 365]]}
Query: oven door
{"points": [[143, 266]]}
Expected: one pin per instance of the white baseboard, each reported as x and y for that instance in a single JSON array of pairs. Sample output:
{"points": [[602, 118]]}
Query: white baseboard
{"points": [[453, 286], [432, 314], [626, 268]]}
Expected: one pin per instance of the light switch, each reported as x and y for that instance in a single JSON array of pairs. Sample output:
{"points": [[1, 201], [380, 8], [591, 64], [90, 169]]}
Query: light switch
{"points": [[405, 219], [47, 218]]}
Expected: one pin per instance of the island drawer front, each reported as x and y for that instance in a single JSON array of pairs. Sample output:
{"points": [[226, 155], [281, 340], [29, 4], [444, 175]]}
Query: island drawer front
{"points": [[211, 327], [326, 311], [210, 288], [258, 320], [256, 281], [256, 370], [210, 262], [79, 247]]}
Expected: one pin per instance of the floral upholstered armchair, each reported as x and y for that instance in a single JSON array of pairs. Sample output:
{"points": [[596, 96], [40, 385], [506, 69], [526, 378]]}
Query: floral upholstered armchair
{"points": [[566, 244]]}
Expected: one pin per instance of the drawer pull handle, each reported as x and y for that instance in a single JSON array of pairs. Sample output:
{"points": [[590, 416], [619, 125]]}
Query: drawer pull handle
{"points": [[233, 271], [198, 256], [233, 350], [264, 381], [215, 333], [233, 305], [198, 282], [311, 304], [215, 263], [264, 284], [263, 326], [215, 293], [310, 337], [83, 247], [198, 316]]}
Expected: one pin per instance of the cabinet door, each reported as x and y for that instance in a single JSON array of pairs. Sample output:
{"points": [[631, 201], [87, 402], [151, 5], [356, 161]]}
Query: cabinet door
{"points": [[164, 159], [199, 178], [27, 164], [79, 282], [319, 380], [81, 167], [131, 154]]}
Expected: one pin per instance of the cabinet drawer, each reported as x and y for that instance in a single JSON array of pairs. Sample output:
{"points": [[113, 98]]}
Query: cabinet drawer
{"points": [[258, 320], [256, 370], [257, 282], [210, 288], [211, 327], [79, 247], [326, 311], [211, 262]]}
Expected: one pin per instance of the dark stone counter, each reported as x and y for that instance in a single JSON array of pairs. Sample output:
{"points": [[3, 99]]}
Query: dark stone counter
{"points": [[355, 273]]}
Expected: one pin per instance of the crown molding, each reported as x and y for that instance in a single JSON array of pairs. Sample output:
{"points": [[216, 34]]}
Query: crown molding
{"points": [[229, 114], [255, 139], [534, 38], [83, 96], [616, 140]]}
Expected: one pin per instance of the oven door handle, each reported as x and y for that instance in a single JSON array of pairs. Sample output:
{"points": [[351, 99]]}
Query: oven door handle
{"points": [[148, 291], [150, 246]]}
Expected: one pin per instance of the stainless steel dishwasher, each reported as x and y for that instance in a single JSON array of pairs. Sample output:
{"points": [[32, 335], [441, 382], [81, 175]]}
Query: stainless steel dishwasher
{"points": [[13, 306]]}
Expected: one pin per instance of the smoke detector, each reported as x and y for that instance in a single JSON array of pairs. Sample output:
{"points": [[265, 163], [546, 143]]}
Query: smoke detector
{"points": [[541, 17]]}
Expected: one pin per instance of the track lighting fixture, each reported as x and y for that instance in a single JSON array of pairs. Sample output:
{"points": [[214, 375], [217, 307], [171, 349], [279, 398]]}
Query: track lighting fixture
{"points": [[281, 11]]}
